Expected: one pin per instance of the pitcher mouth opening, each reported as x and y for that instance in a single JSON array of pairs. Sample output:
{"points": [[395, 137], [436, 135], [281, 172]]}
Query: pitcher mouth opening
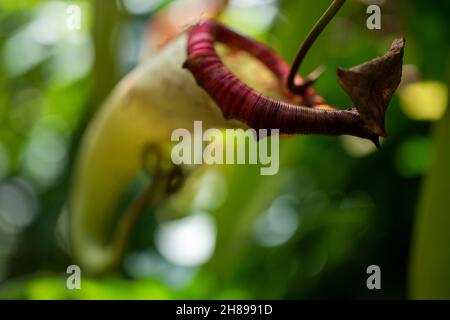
{"points": [[239, 101]]}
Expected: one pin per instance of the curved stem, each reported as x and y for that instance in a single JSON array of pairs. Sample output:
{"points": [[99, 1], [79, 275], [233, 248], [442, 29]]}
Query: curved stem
{"points": [[239, 101], [306, 45], [151, 195]]}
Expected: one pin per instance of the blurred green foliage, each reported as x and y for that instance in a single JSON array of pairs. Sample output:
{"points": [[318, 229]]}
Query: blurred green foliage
{"points": [[336, 207]]}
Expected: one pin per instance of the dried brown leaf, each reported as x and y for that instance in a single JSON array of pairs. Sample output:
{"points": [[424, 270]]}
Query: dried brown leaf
{"points": [[372, 84]]}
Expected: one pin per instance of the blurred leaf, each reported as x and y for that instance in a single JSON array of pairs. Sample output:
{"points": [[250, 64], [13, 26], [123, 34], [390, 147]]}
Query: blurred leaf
{"points": [[430, 262]]}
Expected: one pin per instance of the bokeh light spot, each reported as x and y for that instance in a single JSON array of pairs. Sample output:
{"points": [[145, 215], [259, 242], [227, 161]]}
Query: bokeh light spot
{"points": [[45, 157], [212, 191], [278, 224], [138, 7], [425, 100], [17, 205], [189, 241], [357, 147]]}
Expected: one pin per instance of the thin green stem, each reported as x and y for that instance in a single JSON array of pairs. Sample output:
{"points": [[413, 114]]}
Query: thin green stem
{"points": [[306, 45]]}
